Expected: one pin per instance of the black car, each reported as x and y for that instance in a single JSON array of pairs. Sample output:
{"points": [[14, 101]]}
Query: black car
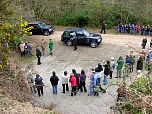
{"points": [[83, 37], [40, 28]]}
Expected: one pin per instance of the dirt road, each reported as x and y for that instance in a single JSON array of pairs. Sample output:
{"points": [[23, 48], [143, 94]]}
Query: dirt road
{"points": [[64, 58]]}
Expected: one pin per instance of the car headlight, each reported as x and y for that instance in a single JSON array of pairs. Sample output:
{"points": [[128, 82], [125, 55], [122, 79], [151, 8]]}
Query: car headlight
{"points": [[99, 40]]}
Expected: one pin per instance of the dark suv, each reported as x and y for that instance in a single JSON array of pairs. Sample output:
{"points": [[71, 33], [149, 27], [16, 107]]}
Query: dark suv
{"points": [[41, 28], [83, 37]]}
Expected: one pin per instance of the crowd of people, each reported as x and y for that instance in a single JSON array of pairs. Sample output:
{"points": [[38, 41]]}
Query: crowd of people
{"points": [[102, 71], [78, 80], [135, 29], [26, 49]]}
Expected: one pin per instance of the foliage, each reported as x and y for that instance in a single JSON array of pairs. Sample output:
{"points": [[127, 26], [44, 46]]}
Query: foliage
{"points": [[138, 98], [11, 31], [76, 18], [92, 12]]}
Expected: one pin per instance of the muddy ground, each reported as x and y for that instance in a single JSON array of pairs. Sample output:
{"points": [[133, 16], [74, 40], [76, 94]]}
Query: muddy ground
{"points": [[64, 58]]}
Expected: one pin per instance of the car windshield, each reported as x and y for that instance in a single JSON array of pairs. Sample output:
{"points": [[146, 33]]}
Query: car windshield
{"points": [[86, 33], [42, 24]]}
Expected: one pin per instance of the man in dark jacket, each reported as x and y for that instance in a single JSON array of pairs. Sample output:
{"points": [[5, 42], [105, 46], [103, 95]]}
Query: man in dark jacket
{"points": [[54, 81], [144, 42], [139, 64], [38, 54], [74, 40], [39, 84], [103, 27]]}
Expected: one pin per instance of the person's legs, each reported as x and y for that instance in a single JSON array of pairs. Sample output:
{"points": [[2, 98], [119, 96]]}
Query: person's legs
{"points": [[38, 61], [56, 89], [91, 90], [63, 85], [22, 53], [104, 31], [111, 74], [119, 73], [53, 88], [72, 91], [41, 88], [38, 90], [67, 87], [51, 51], [85, 89], [75, 47], [81, 87], [75, 90]]}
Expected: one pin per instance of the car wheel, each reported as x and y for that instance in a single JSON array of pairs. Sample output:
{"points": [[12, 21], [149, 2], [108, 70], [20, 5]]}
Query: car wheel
{"points": [[93, 44], [46, 33], [69, 43]]}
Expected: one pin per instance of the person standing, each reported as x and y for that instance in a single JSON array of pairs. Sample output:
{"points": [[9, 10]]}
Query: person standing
{"points": [[83, 81], [98, 73], [139, 64], [144, 42], [51, 46], [29, 49], [132, 57], [22, 45], [65, 79], [77, 79], [74, 40], [39, 85], [73, 85], [54, 81], [106, 72], [120, 63], [38, 54], [92, 83], [103, 27], [43, 46], [112, 66]]}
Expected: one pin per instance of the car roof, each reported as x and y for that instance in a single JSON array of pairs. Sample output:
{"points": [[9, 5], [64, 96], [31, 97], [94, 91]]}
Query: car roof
{"points": [[74, 29], [34, 22]]}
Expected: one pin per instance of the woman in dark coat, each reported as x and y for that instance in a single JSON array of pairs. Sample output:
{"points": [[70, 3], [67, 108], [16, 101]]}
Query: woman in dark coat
{"points": [[139, 64]]}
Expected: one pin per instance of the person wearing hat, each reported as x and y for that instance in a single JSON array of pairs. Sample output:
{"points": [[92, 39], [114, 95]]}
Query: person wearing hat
{"points": [[112, 66], [51, 46], [54, 81], [39, 84]]}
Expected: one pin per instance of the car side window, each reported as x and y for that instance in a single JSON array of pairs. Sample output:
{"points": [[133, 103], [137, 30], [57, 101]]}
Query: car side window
{"points": [[80, 33], [65, 34], [36, 26]]}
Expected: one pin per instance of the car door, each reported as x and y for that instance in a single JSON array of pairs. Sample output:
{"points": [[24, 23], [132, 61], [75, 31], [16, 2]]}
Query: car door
{"points": [[65, 36], [81, 37], [37, 29]]}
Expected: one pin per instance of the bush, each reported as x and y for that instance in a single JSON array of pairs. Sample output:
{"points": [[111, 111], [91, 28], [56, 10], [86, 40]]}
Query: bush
{"points": [[76, 18]]}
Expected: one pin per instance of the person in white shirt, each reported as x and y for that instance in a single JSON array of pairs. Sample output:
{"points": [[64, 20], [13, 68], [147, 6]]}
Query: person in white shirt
{"points": [[65, 80], [22, 45]]}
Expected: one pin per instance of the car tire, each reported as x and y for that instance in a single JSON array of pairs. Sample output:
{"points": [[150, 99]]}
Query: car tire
{"points": [[93, 44], [46, 33], [69, 43]]}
